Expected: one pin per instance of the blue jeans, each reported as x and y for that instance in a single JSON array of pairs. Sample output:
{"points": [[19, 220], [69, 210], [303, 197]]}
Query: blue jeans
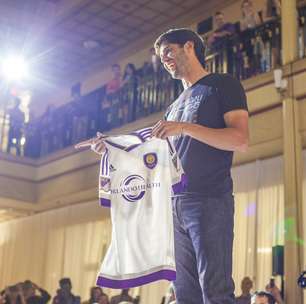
{"points": [[203, 233]]}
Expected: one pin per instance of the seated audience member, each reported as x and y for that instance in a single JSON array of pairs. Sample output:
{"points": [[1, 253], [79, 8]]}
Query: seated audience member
{"points": [[262, 297], [250, 18], [29, 291], [97, 296], [115, 83], [13, 295], [245, 297], [223, 31], [273, 9], [124, 296], [64, 294]]}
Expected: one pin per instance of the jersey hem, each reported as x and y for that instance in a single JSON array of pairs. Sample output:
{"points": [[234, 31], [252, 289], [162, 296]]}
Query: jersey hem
{"points": [[165, 274], [104, 202]]}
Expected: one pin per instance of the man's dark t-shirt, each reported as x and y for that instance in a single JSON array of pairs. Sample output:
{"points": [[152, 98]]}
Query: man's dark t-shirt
{"points": [[205, 103]]}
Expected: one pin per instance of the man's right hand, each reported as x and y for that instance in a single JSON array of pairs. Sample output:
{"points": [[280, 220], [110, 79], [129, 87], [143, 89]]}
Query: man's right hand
{"points": [[96, 144]]}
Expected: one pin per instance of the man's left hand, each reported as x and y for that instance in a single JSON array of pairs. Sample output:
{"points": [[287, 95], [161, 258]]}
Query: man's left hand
{"points": [[164, 129]]}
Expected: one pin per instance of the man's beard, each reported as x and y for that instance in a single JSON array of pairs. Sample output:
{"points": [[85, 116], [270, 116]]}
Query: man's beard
{"points": [[180, 67], [176, 74]]}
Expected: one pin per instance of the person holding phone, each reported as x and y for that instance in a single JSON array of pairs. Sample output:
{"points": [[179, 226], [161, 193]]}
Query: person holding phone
{"points": [[274, 291]]}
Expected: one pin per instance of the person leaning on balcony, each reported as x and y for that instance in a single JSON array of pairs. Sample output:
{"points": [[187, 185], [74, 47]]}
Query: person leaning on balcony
{"points": [[17, 120], [273, 9], [273, 12], [115, 83], [223, 30], [129, 82], [250, 18], [109, 107]]}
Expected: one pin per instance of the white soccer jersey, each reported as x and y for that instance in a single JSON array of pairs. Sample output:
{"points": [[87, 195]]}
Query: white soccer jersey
{"points": [[137, 178]]}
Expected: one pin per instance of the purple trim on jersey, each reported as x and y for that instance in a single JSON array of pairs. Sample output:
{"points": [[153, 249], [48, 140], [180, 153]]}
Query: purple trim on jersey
{"points": [[172, 150], [143, 134], [130, 148], [181, 185], [139, 136], [165, 274], [177, 188], [105, 202], [127, 149], [105, 166], [115, 145], [144, 131]]}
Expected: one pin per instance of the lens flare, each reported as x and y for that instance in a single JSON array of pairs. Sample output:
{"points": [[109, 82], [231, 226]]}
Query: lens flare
{"points": [[14, 68]]}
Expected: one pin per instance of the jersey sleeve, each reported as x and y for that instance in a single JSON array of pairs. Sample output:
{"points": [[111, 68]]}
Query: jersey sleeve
{"points": [[178, 178], [231, 93], [104, 180]]}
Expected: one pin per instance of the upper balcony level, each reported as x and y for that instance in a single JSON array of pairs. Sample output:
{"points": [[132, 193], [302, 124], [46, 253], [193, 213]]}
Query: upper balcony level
{"points": [[244, 54]]}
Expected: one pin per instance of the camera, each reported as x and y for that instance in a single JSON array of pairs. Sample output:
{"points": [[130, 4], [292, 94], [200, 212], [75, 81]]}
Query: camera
{"points": [[302, 280]]}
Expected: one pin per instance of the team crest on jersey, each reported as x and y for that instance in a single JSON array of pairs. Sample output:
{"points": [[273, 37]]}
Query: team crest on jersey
{"points": [[150, 160], [104, 183]]}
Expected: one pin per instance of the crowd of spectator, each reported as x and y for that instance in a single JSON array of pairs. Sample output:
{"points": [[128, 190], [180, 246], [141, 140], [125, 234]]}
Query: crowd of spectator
{"points": [[246, 48], [271, 294], [251, 45], [125, 98], [28, 292]]}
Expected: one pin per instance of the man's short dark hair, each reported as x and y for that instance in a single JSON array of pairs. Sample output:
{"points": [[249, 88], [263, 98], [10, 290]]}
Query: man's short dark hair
{"points": [[268, 295], [64, 281], [27, 284], [219, 13], [181, 36]]}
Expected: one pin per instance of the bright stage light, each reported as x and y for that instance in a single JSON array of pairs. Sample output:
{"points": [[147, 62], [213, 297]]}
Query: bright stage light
{"points": [[14, 68]]}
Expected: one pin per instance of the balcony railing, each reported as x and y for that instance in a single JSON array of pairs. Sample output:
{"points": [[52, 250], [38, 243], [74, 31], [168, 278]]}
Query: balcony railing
{"points": [[97, 111], [249, 53]]}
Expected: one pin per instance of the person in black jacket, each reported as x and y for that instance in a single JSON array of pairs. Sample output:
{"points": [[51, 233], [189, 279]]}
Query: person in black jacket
{"points": [[64, 294], [29, 291]]}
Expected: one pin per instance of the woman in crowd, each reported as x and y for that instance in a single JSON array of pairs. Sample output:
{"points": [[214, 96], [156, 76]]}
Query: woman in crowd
{"points": [[273, 9], [97, 296], [250, 18]]}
